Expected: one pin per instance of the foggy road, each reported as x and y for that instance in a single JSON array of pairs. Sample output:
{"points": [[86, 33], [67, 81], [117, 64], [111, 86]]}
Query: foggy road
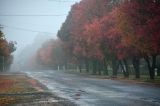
{"points": [[97, 92]]}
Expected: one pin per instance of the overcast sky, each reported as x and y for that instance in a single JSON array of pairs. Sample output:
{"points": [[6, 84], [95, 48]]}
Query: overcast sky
{"points": [[23, 20]]}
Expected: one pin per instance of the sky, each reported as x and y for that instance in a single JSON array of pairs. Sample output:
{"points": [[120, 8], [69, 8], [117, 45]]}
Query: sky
{"points": [[23, 20]]}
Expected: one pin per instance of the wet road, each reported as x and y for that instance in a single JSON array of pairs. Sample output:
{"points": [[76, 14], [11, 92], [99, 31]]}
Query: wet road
{"points": [[97, 92]]}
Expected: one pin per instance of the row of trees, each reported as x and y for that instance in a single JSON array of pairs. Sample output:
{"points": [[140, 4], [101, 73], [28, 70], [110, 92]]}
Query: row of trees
{"points": [[103, 34], [49, 56], [6, 49]]}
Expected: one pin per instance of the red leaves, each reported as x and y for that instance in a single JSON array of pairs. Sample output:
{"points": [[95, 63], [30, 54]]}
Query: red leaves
{"points": [[84, 34], [145, 24], [126, 29], [49, 55], [45, 53]]}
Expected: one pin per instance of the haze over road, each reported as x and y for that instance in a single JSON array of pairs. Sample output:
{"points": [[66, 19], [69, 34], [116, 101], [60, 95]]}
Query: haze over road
{"points": [[97, 92]]}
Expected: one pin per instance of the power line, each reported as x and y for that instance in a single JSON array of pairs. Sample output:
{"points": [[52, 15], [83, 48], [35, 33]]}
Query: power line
{"points": [[24, 29], [63, 0], [34, 15]]}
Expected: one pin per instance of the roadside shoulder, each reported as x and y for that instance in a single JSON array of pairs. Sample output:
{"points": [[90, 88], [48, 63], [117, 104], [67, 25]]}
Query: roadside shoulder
{"points": [[17, 89]]}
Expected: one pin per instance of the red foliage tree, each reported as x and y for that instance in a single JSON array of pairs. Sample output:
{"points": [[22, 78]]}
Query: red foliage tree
{"points": [[140, 31], [50, 55], [121, 29]]}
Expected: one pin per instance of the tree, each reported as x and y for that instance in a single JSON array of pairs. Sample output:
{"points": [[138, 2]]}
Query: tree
{"points": [[143, 16], [50, 55], [74, 31], [114, 30], [6, 50]]}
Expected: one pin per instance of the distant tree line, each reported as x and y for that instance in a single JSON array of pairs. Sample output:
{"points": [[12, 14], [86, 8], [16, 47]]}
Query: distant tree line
{"points": [[6, 50], [102, 35]]}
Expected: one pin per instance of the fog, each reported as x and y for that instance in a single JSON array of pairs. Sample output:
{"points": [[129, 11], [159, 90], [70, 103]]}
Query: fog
{"points": [[24, 21], [24, 56]]}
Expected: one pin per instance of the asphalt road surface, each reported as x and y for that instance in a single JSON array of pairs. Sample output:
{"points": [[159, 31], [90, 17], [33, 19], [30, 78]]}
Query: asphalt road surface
{"points": [[85, 91]]}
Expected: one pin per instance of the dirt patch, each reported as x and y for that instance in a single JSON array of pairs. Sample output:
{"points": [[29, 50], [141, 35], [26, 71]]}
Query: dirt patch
{"points": [[21, 90]]}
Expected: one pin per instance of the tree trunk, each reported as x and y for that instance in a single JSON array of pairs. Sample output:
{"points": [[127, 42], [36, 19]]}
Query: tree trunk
{"points": [[151, 66], [99, 67], [122, 67], [65, 67], [126, 67], [87, 65], [80, 68], [105, 67], [94, 67], [136, 64], [158, 67], [114, 67], [158, 71]]}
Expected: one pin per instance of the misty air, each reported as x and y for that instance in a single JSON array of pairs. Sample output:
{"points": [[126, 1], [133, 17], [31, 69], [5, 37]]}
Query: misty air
{"points": [[79, 52]]}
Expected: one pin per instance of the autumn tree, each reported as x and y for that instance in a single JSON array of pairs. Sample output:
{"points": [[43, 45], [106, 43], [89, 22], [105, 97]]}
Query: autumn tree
{"points": [[113, 32], [72, 31], [51, 54], [6, 50], [141, 18]]}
